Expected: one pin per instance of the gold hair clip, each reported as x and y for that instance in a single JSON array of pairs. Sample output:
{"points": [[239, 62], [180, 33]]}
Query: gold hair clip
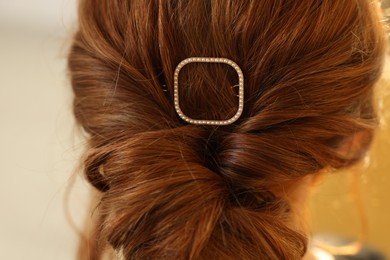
{"points": [[209, 60]]}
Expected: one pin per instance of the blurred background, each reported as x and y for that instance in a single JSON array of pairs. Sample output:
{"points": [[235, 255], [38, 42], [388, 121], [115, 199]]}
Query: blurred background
{"points": [[40, 146]]}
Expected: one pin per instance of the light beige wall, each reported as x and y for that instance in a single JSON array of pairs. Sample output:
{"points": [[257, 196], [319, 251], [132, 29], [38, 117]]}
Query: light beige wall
{"points": [[38, 149]]}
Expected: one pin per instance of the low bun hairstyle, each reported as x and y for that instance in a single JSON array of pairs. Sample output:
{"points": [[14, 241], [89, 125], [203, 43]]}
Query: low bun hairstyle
{"points": [[172, 190]]}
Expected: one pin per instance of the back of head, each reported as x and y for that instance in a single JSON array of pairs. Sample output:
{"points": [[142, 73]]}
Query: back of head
{"points": [[173, 190]]}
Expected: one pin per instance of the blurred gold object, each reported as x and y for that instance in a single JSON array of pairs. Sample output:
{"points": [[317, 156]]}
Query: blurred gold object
{"points": [[385, 5]]}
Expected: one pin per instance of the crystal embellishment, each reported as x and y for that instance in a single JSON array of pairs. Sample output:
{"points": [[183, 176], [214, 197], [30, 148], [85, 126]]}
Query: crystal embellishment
{"points": [[209, 60]]}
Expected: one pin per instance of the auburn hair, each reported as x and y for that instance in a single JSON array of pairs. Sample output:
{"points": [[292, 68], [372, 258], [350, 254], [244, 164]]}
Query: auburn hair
{"points": [[173, 190]]}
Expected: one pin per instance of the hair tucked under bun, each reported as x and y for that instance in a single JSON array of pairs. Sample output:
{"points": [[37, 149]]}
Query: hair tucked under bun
{"points": [[170, 190]]}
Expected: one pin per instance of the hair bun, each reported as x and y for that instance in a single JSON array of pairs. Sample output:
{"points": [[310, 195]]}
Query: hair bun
{"points": [[163, 202]]}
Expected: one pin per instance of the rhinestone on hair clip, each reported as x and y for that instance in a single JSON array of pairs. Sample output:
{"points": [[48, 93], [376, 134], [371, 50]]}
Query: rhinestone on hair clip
{"points": [[209, 60]]}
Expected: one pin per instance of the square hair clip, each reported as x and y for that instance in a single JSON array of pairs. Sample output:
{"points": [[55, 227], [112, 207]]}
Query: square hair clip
{"points": [[209, 60]]}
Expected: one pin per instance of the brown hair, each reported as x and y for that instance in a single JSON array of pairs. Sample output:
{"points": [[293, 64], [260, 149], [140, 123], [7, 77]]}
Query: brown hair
{"points": [[172, 190]]}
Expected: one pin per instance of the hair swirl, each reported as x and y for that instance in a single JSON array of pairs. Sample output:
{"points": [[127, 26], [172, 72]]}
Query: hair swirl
{"points": [[170, 190]]}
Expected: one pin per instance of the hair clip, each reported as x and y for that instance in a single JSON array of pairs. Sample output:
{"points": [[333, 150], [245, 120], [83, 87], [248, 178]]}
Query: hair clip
{"points": [[209, 60]]}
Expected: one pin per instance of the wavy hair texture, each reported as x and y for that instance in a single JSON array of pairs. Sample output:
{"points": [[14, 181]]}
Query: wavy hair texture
{"points": [[172, 190]]}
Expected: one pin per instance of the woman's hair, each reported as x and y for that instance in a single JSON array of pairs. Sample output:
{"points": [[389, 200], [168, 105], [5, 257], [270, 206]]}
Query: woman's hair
{"points": [[173, 190]]}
